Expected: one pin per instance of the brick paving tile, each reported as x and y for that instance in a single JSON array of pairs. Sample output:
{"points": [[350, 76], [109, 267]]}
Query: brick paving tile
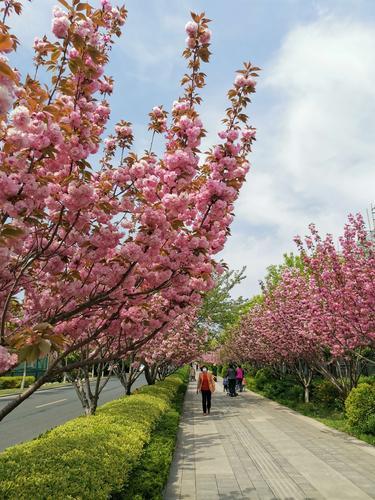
{"points": [[253, 448]]}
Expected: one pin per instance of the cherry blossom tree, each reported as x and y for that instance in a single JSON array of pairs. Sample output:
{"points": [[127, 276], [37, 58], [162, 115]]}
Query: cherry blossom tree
{"points": [[317, 315], [102, 260], [181, 343], [342, 299]]}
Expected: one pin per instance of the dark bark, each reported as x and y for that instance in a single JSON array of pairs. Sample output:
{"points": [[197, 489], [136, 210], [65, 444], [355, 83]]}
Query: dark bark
{"points": [[60, 366], [88, 394], [127, 373], [151, 373]]}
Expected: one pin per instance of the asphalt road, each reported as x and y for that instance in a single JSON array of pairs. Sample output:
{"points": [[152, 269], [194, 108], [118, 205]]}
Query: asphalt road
{"points": [[46, 409]]}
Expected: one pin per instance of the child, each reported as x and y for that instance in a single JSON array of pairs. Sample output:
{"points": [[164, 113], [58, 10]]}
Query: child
{"points": [[244, 384], [225, 384]]}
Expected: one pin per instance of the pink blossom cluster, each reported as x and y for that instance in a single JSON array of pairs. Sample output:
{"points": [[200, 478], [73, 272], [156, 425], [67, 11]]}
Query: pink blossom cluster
{"points": [[7, 360], [181, 343], [114, 259], [243, 81], [158, 119], [196, 34], [328, 307], [60, 23], [8, 87]]}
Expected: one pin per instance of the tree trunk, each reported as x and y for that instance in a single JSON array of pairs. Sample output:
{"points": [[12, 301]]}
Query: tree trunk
{"points": [[127, 373], [164, 370], [304, 373], [151, 373], [307, 394], [8, 408], [24, 376], [344, 373], [88, 395]]}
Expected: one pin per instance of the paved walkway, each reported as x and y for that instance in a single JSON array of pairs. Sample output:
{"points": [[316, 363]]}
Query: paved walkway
{"points": [[251, 447]]}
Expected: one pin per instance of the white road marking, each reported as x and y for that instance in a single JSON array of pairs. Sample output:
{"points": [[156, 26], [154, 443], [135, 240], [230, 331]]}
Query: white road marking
{"points": [[52, 403]]}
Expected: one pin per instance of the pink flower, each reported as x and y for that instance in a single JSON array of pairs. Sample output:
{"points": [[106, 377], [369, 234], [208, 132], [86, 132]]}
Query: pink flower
{"points": [[182, 105], [60, 26], [232, 135], [190, 42], [123, 131], [131, 251], [7, 360], [248, 134], [191, 28], [109, 143], [205, 37], [73, 53], [5, 99], [55, 134], [239, 81], [157, 112], [250, 82], [106, 4], [57, 12], [21, 117]]}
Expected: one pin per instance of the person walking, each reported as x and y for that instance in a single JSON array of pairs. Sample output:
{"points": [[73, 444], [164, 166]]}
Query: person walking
{"points": [[239, 377], [231, 376], [206, 386], [192, 372]]}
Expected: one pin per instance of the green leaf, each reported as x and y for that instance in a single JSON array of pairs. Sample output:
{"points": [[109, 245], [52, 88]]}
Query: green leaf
{"points": [[9, 231]]}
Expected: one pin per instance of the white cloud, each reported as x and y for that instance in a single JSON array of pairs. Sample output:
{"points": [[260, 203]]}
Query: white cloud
{"points": [[315, 151]]}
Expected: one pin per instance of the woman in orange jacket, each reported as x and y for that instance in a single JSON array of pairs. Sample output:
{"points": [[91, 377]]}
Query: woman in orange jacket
{"points": [[206, 385]]}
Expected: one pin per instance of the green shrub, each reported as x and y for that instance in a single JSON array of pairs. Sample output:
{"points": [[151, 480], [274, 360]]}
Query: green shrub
{"points": [[283, 389], [250, 370], [88, 457], [14, 382], [371, 424], [148, 478], [271, 390], [360, 408], [224, 370], [293, 392], [326, 394], [366, 379], [263, 377]]}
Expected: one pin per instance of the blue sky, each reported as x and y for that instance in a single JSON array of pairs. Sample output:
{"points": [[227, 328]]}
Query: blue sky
{"points": [[314, 108]]}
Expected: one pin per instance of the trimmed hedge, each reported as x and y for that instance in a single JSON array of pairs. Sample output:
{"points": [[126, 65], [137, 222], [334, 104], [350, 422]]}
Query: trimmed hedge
{"points": [[360, 408], [148, 479], [14, 382], [88, 457], [366, 379]]}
